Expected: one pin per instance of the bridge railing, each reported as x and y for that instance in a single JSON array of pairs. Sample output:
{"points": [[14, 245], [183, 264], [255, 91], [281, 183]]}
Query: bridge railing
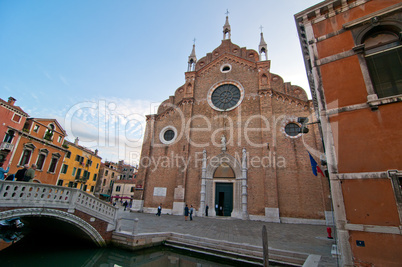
{"points": [[22, 194]]}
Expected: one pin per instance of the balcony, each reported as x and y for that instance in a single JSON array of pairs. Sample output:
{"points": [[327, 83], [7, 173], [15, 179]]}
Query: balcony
{"points": [[6, 146], [81, 179]]}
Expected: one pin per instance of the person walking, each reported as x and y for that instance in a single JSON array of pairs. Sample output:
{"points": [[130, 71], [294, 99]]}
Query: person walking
{"points": [[30, 174], [159, 210], [3, 171], [206, 210], [19, 175], [185, 213], [191, 212], [125, 205]]}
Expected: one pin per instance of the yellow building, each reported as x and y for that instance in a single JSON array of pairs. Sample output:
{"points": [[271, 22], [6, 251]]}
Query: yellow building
{"points": [[80, 167]]}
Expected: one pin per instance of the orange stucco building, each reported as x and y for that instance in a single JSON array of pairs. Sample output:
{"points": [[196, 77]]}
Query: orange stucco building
{"points": [[40, 142], [12, 120], [353, 56]]}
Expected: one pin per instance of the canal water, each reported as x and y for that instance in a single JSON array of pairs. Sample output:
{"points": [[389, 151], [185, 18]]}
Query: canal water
{"points": [[35, 250]]}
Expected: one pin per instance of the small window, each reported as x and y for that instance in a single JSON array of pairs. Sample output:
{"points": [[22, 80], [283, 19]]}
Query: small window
{"points": [[36, 128], [132, 189], [8, 138], [53, 165], [95, 176], [68, 154], [383, 51], [168, 135], [74, 171], [106, 172], [226, 68], [60, 182], [64, 169], [118, 188], [26, 155], [40, 161], [92, 188], [59, 139], [292, 129], [16, 117]]}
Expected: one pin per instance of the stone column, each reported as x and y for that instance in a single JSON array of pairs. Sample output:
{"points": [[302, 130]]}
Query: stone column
{"points": [[244, 185], [203, 182]]}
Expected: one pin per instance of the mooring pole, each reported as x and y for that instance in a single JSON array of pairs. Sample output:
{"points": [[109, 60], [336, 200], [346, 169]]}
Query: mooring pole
{"points": [[265, 246]]}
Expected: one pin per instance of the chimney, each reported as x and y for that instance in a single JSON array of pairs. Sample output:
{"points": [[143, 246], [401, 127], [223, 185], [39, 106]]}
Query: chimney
{"points": [[76, 141], [96, 152], [11, 100]]}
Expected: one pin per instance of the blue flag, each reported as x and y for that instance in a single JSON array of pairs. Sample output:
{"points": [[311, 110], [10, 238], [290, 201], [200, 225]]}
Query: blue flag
{"points": [[314, 166]]}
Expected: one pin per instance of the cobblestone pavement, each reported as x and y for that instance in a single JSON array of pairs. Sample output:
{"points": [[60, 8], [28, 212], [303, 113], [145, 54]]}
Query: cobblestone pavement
{"points": [[311, 239]]}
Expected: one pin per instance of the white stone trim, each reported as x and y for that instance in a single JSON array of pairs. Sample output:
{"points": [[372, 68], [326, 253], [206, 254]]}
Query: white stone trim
{"points": [[302, 221], [226, 65], [373, 228], [286, 121], [162, 133], [216, 85], [360, 175]]}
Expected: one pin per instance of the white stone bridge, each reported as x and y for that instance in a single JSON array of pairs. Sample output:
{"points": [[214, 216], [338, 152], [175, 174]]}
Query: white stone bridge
{"points": [[83, 213]]}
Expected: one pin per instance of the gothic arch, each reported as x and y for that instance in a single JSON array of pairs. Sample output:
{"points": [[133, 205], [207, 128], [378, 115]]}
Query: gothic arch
{"points": [[216, 161], [239, 181]]}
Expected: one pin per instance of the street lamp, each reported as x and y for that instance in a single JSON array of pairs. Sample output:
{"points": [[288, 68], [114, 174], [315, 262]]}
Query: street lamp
{"points": [[303, 121]]}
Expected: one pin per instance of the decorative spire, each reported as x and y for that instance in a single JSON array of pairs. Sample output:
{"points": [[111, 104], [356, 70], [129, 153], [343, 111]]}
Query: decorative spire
{"points": [[192, 59], [226, 27], [262, 48]]}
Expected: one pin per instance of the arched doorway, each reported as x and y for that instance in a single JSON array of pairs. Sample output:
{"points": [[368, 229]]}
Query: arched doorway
{"points": [[224, 183], [224, 190]]}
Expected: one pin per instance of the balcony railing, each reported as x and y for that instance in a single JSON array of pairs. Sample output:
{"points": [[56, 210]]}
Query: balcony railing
{"points": [[81, 179], [6, 146]]}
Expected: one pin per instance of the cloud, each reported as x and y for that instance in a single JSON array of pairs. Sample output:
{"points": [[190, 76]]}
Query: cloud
{"points": [[114, 126]]}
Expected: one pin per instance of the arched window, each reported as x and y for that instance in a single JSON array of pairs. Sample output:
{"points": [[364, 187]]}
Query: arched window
{"points": [[383, 53]]}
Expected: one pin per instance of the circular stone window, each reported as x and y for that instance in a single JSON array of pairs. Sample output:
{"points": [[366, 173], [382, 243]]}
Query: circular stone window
{"points": [[226, 68], [225, 97], [292, 129], [168, 135]]}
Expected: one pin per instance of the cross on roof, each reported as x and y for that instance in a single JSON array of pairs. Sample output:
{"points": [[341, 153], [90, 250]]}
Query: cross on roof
{"points": [[227, 12], [261, 28], [194, 41]]}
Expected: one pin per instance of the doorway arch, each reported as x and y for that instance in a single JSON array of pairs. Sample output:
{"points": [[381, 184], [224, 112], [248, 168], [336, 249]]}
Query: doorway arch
{"points": [[223, 172]]}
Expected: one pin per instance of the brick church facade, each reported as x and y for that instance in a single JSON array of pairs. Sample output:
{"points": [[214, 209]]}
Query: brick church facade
{"points": [[229, 140]]}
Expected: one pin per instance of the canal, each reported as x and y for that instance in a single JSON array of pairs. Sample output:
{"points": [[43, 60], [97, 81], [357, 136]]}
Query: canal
{"points": [[50, 249]]}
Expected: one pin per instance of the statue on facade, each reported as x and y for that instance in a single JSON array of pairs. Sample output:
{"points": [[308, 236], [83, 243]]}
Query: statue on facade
{"points": [[223, 143]]}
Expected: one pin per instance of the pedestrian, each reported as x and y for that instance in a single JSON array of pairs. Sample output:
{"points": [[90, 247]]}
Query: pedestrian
{"points": [[30, 174], [21, 173], [191, 212], [185, 213], [159, 210], [3, 171], [125, 205], [206, 210]]}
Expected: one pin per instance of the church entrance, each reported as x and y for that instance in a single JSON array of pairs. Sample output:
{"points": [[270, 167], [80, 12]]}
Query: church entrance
{"points": [[223, 199]]}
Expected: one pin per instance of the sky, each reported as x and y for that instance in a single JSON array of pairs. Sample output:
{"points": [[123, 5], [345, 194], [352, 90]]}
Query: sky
{"points": [[100, 66]]}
